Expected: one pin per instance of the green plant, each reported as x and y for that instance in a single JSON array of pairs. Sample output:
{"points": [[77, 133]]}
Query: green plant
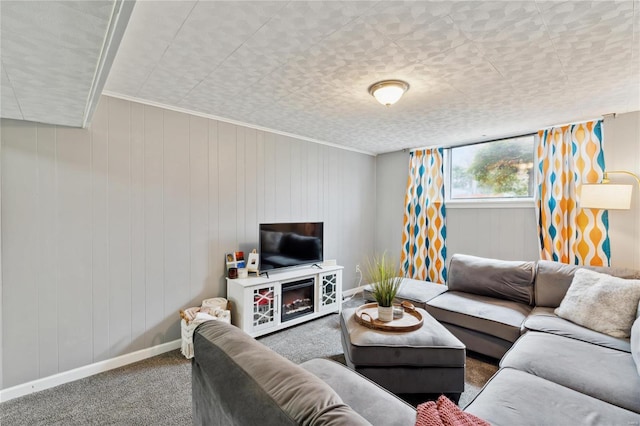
{"points": [[383, 276], [501, 166]]}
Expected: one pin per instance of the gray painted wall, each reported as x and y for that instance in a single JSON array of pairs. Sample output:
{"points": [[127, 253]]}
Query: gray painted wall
{"points": [[511, 233], [107, 232], [391, 184], [622, 152], [1, 291]]}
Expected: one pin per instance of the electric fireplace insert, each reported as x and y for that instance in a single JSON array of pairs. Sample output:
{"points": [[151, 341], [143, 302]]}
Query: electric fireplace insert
{"points": [[297, 299]]}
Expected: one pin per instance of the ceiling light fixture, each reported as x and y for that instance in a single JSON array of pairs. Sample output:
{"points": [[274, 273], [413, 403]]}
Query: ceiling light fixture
{"points": [[388, 92], [606, 196]]}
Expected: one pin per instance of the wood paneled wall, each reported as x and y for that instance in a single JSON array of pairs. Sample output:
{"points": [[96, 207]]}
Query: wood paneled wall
{"points": [[108, 231], [499, 233]]}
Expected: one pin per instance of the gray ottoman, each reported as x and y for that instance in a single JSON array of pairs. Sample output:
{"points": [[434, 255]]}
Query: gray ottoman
{"points": [[428, 360], [414, 291]]}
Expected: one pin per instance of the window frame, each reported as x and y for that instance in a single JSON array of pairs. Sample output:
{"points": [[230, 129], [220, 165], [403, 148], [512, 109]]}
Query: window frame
{"points": [[488, 202]]}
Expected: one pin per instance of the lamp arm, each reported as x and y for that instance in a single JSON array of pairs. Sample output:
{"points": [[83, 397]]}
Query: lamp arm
{"points": [[622, 172]]}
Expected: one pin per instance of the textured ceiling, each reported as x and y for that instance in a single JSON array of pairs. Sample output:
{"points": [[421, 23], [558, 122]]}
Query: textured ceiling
{"points": [[53, 54], [477, 70]]}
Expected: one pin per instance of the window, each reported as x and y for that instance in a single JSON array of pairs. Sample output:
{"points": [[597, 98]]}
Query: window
{"points": [[495, 169]]}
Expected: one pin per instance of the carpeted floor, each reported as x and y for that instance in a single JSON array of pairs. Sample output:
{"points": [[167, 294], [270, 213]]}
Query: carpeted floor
{"points": [[157, 391], [154, 391]]}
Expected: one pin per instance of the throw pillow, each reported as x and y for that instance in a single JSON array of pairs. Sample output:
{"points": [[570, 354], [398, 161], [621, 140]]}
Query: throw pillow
{"points": [[635, 343], [601, 302]]}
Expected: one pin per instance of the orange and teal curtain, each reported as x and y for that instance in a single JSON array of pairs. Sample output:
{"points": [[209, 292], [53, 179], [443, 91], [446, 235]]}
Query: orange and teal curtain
{"points": [[424, 229], [567, 157]]}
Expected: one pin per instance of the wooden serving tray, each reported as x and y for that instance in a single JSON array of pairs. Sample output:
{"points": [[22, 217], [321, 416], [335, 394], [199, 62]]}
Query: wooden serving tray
{"points": [[367, 315]]}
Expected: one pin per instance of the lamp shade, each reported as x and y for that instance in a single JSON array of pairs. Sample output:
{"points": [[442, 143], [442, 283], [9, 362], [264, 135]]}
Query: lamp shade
{"points": [[605, 196]]}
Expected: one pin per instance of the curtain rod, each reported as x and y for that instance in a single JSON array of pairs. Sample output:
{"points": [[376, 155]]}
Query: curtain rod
{"points": [[471, 143], [602, 117]]}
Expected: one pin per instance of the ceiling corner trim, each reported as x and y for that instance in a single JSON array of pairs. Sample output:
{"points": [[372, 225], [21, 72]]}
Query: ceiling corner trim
{"points": [[231, 121], [120, 15]]}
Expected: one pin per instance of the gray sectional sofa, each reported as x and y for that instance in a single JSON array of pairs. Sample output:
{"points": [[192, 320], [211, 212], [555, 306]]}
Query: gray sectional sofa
{"points": [[554, 372]]}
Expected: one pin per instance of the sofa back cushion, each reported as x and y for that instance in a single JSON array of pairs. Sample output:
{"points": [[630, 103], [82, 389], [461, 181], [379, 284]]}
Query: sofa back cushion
{"points": [[502, 279], [238, 381], [553, 280]]}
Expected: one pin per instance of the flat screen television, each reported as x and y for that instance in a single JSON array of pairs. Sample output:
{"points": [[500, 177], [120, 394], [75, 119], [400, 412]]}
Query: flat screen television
{"points": [[287, 245]]}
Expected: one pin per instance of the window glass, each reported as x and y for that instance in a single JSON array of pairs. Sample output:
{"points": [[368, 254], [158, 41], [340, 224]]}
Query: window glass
{"points": [[495, 169]]}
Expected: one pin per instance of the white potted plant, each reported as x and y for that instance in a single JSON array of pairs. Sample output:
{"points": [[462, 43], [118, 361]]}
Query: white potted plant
{"points": [[385, 283]]}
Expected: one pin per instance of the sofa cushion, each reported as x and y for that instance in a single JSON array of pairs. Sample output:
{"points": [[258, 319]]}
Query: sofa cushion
{"points": [[545, 320], [513, 397], [554, 278], [497, 317], [358, 392], [635, 343], [232, 371], [481, 343], [604, 373], [414, 291], [508, 280], [601, 302]]}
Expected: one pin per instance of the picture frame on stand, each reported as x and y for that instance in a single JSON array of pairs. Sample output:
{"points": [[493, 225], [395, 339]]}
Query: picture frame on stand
{"points": [[231, 261], [253, 262]]}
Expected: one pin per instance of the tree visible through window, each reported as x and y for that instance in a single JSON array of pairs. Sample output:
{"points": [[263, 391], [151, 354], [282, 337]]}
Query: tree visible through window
{"points": [[496, 169]]}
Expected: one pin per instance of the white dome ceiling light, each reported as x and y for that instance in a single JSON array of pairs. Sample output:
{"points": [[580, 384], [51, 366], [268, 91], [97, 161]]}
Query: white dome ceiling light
{"points": [[388, 92]]}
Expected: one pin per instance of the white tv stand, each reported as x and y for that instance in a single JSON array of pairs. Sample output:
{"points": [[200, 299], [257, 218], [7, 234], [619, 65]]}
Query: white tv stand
{"points": [[257, 302]]}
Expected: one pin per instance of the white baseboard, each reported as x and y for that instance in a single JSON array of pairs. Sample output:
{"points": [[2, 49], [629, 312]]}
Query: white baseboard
{"points": [[86, 371], [352, 291]]}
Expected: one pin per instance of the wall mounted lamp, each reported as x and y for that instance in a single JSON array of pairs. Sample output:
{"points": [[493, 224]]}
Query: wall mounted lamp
{"points": [[607, 196], [388, 92]]}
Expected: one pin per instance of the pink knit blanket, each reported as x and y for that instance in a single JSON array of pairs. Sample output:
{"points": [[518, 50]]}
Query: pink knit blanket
{"points": [[444, 412]]}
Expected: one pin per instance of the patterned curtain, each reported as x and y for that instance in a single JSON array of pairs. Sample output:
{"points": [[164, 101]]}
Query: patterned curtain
{"points": [[424, 229], [567, 157]]}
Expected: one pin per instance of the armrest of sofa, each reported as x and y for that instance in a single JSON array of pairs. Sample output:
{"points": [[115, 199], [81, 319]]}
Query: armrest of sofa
{"points": [[417, 292], [374, 403], [238, 381]]}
